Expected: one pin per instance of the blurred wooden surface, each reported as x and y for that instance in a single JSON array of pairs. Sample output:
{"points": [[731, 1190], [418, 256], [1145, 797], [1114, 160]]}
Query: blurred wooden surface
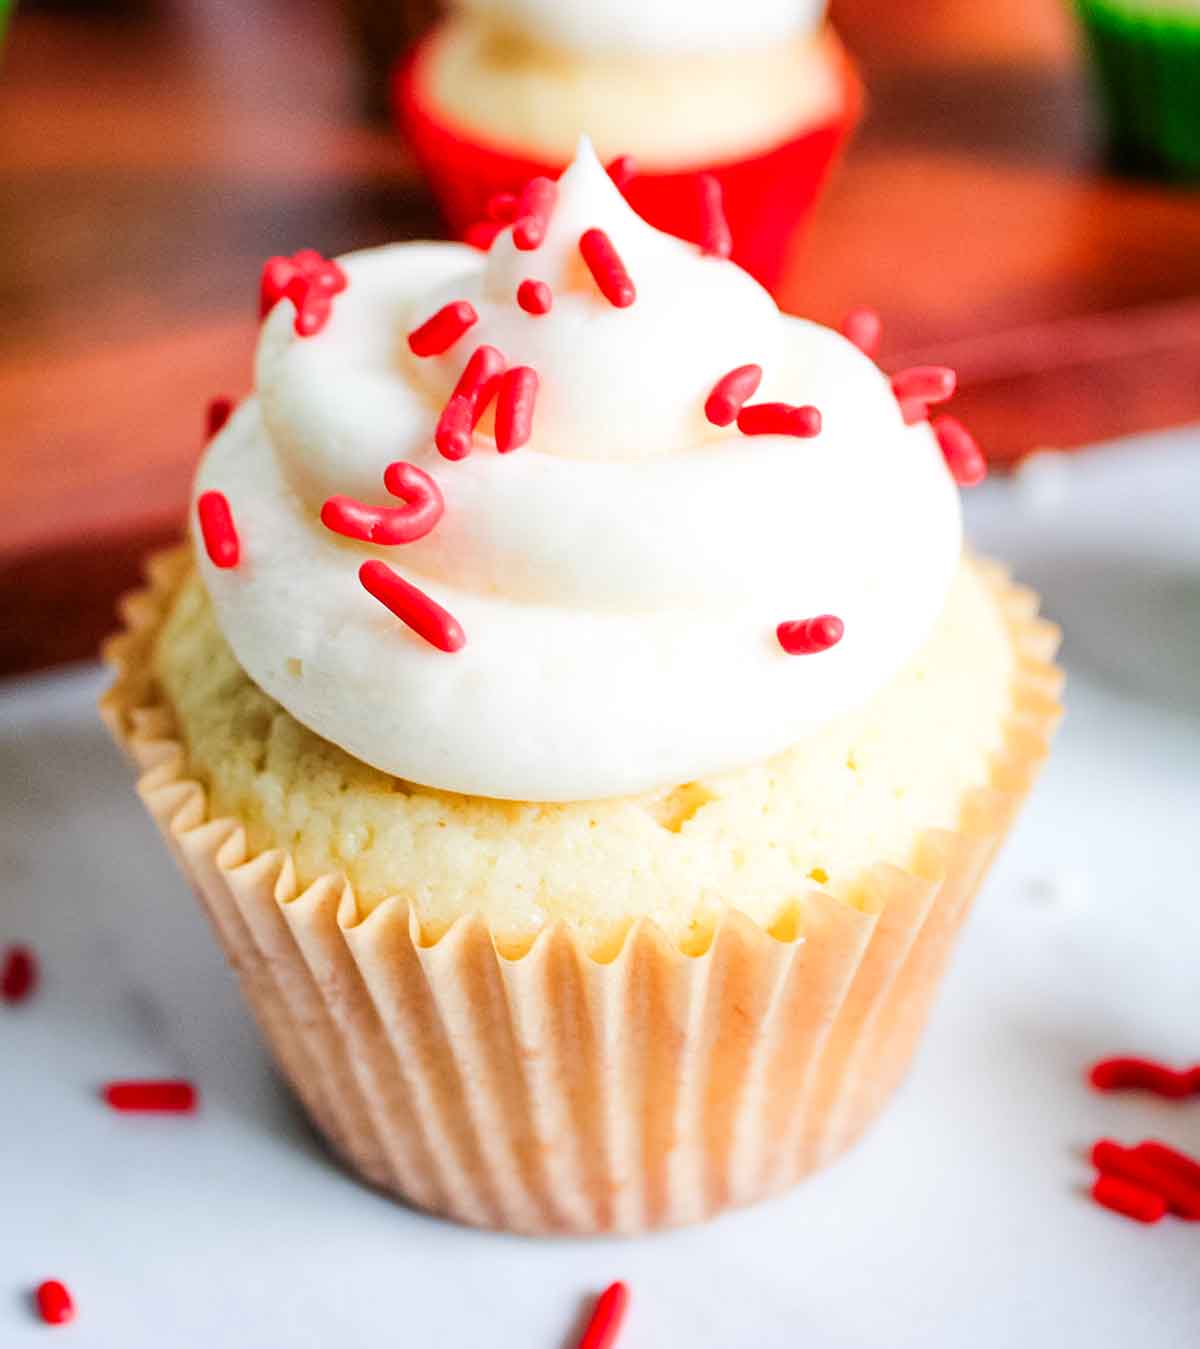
{"points": [[148, 165]]}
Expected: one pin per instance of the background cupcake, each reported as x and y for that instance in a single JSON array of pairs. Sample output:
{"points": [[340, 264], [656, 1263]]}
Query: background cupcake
{"points": [[1146, 58], [760, 96], [585, 871]]}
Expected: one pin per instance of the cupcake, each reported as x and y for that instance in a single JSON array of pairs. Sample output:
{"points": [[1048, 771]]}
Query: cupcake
{"points": [[1146, 58], [579, 717], [751, 102]]}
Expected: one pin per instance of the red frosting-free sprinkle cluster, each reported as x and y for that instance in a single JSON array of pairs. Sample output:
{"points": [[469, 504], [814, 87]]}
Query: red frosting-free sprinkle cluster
{"points": [[532, 218], [864, 328], [807, 636], [605, 1322], [440, 331], [535, 297], [309, 280], [217, 413], [217, 529], [607, 269], [962, 454], [19, 974], [715, 237], [1133, 1074], [1147, 1181], [159, 1097], [779, 419], [919, 386], [54, 1303], [730, 392], [412, 607], [514, 407], [423, 508]]}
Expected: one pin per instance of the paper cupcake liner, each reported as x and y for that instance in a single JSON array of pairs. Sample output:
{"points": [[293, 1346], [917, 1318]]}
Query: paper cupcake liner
{"points": [[1147, 67], [768, 196], [552, 1092]]}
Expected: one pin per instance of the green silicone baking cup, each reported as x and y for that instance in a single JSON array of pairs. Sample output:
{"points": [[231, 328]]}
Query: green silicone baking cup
{"points": [[1147, 65]]}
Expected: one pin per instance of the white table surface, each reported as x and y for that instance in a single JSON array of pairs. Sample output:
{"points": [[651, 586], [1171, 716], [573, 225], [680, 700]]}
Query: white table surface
{"points": [[960, 1222]]}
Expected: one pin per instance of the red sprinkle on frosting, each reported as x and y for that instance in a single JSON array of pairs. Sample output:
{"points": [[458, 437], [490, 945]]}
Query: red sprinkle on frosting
{"points": [[217, 413], [54, 1303], [309, 280], [607, 269], [623, 170], [164, 1097], [502, 208], [423, 508], [963, 456], [779, 419], [440, 331], [605, 1323], [807, 636], [514, 407], [535, 297], [1179, 1164], [1128, 1199], [19, 976], [412, 606], [482, 234], [468, 402], [1132, 1074], [919, 386], [715, 237], [864, 328], [453, 434], [533, 213], [217, 529], [1182, 1195], [730, 392]]}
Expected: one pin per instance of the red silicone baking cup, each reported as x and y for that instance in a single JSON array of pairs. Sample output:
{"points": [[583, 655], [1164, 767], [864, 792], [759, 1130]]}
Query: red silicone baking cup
{"points": [[768, 197]]}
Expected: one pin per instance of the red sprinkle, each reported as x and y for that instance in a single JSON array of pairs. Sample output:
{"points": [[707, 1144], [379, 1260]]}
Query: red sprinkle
{"points": [[919, 386], [167, 1097], [730, 392], [807, 636], [1124, 1197], [423, 508], [533, 213], [482, 234], [607, 269], [54, 1303], [623, 170], [453, 433], [1143, 1075], [217, 528], [502, 208], [963, 456], [779, 419], [535, 297], [20, 974], [715, 238], [412, 606], [1168, 1159], [1182, 1196], [217, 413], [309, 280], [468, 402], [605, 1323], [514, 407], [864, 328], [440, 331]]}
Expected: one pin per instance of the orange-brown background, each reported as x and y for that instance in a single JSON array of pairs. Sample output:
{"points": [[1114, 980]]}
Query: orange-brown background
{"points": [[150, 161]]}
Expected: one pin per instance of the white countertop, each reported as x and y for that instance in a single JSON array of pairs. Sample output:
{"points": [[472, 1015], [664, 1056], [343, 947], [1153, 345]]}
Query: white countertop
{"points": [[960, 1221]]}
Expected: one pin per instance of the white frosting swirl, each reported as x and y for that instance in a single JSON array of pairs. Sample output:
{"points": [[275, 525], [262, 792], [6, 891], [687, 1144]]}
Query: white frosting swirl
{"points": [[619, 578], [653, 26]]}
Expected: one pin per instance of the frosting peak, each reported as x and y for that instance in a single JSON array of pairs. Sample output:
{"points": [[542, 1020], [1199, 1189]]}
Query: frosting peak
{"points": [[611, 607]]}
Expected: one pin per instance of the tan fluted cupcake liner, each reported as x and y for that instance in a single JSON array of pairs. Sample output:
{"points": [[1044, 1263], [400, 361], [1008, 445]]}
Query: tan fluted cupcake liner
{"points": [[554, 1093]]}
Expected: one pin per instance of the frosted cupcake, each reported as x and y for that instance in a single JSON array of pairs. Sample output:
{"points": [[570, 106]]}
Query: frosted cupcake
{"points": [[578, 715], [759, 96]]}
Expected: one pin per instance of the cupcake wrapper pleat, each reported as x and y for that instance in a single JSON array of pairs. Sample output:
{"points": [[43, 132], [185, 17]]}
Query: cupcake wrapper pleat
{"points": [[552, 1092]]}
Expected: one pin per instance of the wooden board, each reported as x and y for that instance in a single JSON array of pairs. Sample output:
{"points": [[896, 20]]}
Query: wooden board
{"points": [[148, 164]]}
